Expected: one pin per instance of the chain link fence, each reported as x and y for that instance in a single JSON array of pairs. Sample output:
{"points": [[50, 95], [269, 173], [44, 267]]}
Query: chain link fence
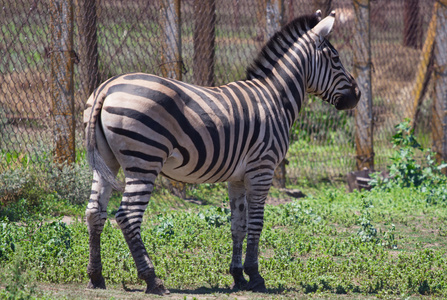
{"points": [[217, 41]]}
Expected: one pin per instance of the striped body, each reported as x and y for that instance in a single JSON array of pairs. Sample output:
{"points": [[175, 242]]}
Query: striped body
{"points": [[196, 134], [235, 133]]}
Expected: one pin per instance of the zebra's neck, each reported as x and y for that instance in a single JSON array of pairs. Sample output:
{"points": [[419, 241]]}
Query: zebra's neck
{"points": [[286, 80], [283, 65]]}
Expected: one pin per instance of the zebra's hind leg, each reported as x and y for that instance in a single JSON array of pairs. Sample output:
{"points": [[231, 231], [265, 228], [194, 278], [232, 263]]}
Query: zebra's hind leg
{"points": [[129, 217], [96, 214], [238, 204]]}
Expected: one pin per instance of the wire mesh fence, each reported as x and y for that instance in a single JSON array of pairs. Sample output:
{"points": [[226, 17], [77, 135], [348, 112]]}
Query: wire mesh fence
{"points": [[217, 40]]}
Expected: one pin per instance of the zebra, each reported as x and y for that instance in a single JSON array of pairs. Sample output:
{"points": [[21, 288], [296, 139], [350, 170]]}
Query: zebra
{"points": [[235, 133]]}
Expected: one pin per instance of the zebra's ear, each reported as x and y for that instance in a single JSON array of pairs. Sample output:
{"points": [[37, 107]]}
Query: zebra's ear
{"points": [[324, 27], [318, 14]]}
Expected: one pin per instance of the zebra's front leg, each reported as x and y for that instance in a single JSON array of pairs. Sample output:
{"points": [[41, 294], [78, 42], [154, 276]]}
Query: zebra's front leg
{"points": [[238, 204], [256, 202], [129, 217], [96, 214]]}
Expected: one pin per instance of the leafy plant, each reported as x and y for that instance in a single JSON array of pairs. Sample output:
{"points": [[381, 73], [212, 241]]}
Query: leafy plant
{"points": [[413, 166], [166, 228], [367, 232], [7, 240], [216, 216], [389, 239]]}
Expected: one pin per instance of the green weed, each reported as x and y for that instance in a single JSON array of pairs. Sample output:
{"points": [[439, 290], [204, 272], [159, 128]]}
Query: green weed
{"points": [[413, 166]]}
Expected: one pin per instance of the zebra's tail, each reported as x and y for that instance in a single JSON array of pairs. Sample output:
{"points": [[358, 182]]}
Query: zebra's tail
{"points": [[92, 115]]}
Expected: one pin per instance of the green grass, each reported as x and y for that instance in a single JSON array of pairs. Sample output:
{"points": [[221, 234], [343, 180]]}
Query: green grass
{"points": [[308, 246]]}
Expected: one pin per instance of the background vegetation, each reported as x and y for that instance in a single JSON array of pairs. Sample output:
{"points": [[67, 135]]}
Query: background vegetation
{"points": [[130, 36]]}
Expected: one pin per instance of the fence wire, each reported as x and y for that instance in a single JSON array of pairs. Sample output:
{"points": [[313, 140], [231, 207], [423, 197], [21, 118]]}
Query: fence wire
{"points": [[129, 36]]}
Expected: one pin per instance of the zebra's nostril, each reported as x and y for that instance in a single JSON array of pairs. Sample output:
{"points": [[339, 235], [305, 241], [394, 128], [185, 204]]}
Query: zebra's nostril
{"points": [[358, 93]]}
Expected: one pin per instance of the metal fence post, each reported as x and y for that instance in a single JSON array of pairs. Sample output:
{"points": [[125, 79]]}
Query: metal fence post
{"points": [[362, 72], [88, 45], [412, 24], [172, 64], [273, 20], [204, 42], [62, 60], [439, 122], [274, 16]]}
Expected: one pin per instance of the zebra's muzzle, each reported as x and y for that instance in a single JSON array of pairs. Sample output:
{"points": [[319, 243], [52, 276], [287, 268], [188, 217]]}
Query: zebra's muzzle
{"points": [[349, 98]]}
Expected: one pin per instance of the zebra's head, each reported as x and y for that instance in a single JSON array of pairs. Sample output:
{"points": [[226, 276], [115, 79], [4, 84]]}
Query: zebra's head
{"points": [[327, 77]]}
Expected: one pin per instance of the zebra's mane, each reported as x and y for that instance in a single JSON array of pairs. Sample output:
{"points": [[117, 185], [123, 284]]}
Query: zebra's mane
{"points": [[280, 41]]}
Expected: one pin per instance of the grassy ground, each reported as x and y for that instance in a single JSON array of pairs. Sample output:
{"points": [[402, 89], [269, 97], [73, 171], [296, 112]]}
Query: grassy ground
{"points": [[328, 245]]}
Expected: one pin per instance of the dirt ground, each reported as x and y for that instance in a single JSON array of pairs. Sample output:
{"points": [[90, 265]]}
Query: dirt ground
{"points": [[79, 291]]}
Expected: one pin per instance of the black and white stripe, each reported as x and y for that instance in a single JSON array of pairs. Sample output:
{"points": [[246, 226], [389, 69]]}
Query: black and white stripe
{"points": [[237, 133]]}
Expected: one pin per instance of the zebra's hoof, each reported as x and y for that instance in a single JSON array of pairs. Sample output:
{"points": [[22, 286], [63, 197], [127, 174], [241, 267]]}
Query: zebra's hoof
{"points": [[257, 285], [157, 288], [239, 284], [97, 283]]}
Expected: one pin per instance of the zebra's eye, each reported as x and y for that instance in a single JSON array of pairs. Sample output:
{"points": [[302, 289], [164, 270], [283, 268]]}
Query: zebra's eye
{"points": [[336, 59]]}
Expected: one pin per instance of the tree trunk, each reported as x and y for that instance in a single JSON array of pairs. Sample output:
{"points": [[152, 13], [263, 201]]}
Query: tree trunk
{"points": [[204, 42], [62, 93], [439, 122], [362, 73]]}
